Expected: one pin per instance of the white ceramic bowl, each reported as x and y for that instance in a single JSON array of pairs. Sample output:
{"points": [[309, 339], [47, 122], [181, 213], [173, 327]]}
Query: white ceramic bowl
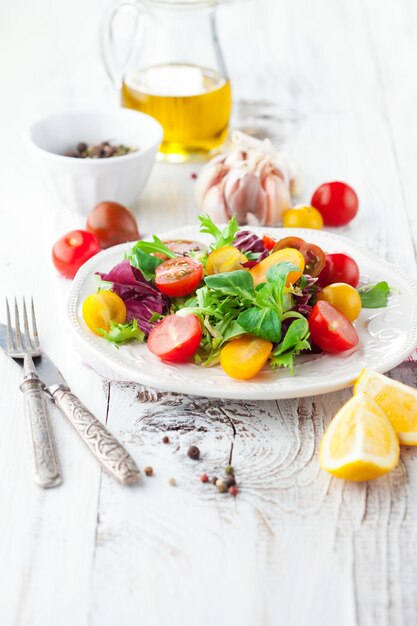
{"points": [[79, 184]]}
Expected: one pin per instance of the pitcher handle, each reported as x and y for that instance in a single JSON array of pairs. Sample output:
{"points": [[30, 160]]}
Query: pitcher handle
{"points": [[115, 68]]}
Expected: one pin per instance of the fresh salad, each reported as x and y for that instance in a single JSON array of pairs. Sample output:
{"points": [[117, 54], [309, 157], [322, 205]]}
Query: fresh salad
{"points": [[242, 301]]}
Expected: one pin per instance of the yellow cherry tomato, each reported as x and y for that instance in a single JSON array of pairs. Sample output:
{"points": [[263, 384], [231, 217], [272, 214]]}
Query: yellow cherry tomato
{"points": [[302, 217], [286, 254], [224, 259], [344, 297], [101, 308], [243, 358]]}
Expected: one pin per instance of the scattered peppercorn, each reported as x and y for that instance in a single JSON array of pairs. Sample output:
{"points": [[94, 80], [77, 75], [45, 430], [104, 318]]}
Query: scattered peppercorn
{"points": [[102, 150], [165, 439], [229, 470], [233, 490], [193, 175], [172, 482], [148, 471], [194, 453], [230, 481], [214, 480], [204, 478], [221, 486]]}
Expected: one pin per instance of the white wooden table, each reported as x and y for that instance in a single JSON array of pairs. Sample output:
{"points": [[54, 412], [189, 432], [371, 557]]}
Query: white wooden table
{"points": [[295, 548]]}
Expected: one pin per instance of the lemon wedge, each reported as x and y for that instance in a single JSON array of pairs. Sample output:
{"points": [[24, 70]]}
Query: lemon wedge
{"points": [[360, 442], [397, 400]]}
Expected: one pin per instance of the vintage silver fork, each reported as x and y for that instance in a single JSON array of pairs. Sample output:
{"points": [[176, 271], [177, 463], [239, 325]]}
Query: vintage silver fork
{"points": [[46, 472]]}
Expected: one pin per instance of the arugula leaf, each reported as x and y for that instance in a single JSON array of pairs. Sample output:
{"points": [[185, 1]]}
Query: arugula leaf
{"points": [[144, 262], [374, 296], [120, 333], [263, 323], [238, 283], [223, 237], [154, 246], [295, 340]]}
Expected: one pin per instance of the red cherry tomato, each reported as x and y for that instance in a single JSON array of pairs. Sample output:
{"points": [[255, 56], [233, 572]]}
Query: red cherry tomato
{"points": [[339, 268], [314, 256], [112, 223], [330, 329], [178, 277], [268, 242], [74, 249], [337, 202], [176, 338]]}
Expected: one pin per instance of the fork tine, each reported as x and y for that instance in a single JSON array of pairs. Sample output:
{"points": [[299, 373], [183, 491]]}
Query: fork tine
{"points": [[10, 345], [35, 335], [26, 326], [19, 342]]}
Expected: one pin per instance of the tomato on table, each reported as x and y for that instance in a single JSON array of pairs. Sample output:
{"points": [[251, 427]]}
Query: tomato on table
{"points": [[178, 277], [291, 255], [225, 259], [314, 257], [176, 338], [101, 308], [302, 217], [337, 202], [330, 329], [112, 223], [339, 268], [268, 242], [344, 297], [244, 357], [73, 250]]}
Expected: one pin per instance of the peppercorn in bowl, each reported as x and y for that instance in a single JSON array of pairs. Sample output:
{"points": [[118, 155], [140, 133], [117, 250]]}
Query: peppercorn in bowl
{"points": [[86, 157]]}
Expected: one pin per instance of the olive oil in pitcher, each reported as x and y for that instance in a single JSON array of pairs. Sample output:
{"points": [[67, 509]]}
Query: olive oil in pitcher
{"points": [[192, 103]]}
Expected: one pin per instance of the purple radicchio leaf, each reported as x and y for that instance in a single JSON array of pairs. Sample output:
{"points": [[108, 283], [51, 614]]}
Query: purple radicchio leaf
{"points": [[141, 298], [304, 302], [246, 241]]}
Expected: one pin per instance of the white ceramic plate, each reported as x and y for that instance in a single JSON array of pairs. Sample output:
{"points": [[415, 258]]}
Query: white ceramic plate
{"points": [[387, 336]]}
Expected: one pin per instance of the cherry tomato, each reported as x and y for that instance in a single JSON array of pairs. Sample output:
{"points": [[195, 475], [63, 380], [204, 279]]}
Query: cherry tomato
{"points": [[344, 297], [224, 259], [244, 357], [314, 256], [176, 338], [101, 308], [268, 242], [339, 268], [337, 202], [112, 223], [74, 249], [181, 247], [291, 255], [178, 277], [302, 217], [330, 329]]}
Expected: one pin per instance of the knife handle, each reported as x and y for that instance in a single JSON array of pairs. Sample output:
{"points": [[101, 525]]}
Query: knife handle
{"points": [[45, 465], [109, 452]]}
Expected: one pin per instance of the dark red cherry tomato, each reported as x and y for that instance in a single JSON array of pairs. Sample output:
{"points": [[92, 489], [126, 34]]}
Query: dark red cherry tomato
{"points": [[314, 256], [339, 268], [73, 250], [337, 202], [176, 338], [330, 329], [178, 277]]}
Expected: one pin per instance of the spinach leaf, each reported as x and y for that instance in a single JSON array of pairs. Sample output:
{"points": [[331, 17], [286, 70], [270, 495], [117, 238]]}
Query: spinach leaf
{"points": [[374, 296], [238, 283], [265, 323], [120, 333], [295, 340], [144, 262], [223, 237]]}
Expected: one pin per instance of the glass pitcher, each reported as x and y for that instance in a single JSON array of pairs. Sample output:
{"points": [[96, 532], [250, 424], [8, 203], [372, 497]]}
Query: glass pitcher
{"points": [[171, 68]]}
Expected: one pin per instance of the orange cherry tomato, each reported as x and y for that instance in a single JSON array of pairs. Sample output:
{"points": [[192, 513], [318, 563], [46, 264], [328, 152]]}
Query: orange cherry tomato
{"points": [[286, 254], [344, 297], [101, 308], [302, 217], [224, 259], [244, 357]]}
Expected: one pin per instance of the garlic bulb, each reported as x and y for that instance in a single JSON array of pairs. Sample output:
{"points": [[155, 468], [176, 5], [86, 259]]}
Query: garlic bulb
{"points": [[252, 182]]}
